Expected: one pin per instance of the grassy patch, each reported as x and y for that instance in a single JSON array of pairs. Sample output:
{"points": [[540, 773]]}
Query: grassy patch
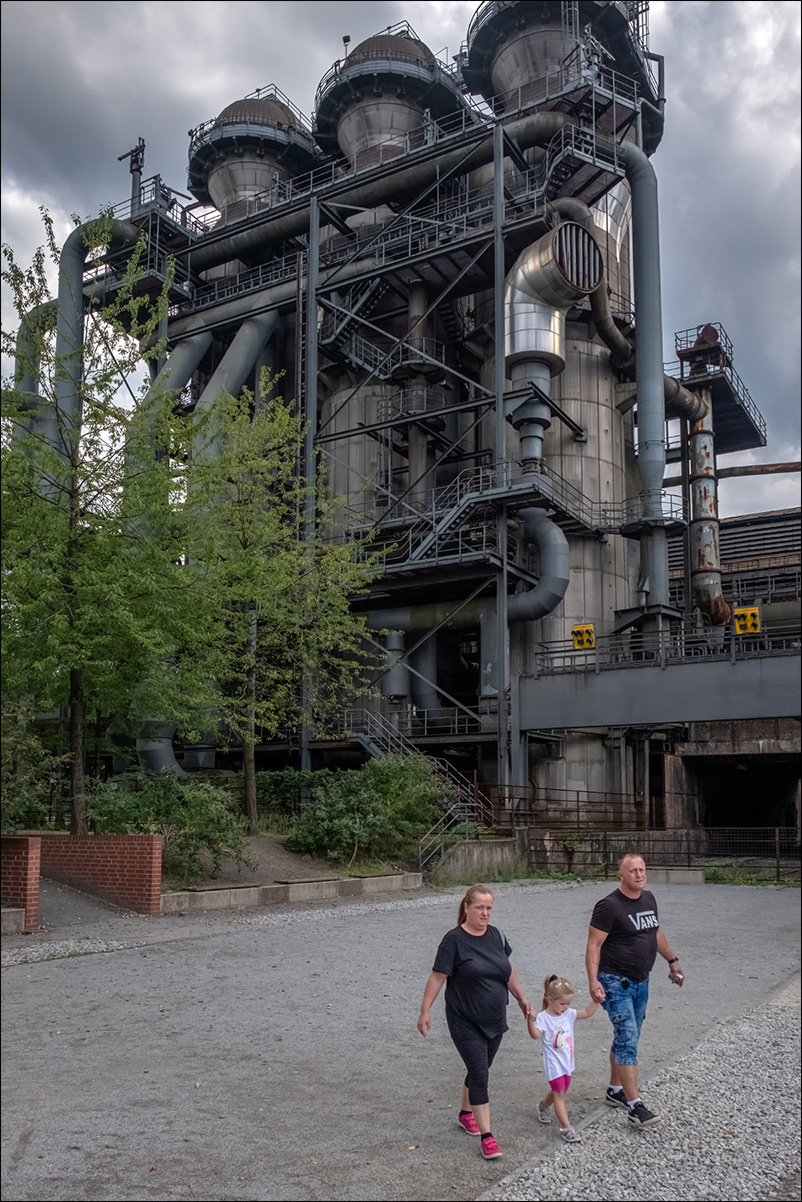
{"points": [[731, 872]]}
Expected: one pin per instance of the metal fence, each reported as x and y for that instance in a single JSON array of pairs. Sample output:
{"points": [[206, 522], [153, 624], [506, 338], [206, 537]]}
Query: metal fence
{"points": [[727, 855]]}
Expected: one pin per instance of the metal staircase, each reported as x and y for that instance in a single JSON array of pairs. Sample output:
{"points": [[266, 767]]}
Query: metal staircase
{"points": [[463, 804], [453, 507]]}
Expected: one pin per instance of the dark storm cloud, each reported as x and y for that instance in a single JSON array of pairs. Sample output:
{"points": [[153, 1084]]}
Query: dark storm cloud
{"points": [[82, 81], [729, 184]]}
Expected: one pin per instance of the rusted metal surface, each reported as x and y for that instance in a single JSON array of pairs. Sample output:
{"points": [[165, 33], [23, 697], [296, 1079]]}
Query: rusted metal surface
{"points": [[704, 541]]}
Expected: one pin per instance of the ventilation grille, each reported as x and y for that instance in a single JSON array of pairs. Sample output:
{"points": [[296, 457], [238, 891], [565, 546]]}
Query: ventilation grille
{"points": [[578, 257]]}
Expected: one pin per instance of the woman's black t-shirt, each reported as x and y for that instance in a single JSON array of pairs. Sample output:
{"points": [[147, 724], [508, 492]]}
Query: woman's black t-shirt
{"points": [[478, 969]]}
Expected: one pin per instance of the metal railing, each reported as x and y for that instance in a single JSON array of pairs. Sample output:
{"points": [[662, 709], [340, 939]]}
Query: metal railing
{"points": [[200, 133], [452, 504], [679, 369], [726, 855], [641, 649], [464, 805]]}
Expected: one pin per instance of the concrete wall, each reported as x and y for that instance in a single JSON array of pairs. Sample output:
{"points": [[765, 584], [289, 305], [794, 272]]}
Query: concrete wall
{"points": [[193, 901], [564, 851], [124, 869], [20, 876], [477, 860]]}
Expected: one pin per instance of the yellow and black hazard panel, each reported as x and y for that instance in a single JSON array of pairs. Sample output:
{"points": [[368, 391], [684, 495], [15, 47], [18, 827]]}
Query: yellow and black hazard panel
{"points": [[747, 620], [584, 637]]}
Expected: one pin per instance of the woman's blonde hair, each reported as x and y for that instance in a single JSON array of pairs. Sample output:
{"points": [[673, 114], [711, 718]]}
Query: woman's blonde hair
{"points": [[469, 899], [554, 987]]}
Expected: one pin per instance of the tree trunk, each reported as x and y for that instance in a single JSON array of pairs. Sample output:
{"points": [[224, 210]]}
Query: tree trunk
{"points": [[249, 774], [249, 743], [78, 823]]}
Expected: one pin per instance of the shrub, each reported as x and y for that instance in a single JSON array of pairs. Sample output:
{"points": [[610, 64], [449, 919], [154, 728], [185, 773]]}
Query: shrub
{"points": [[196, 818], [377, 812], [282, 791], [29, 772]]}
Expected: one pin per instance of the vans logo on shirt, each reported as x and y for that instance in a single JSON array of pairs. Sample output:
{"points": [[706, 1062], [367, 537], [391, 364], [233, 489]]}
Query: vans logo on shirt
{"points": [[644, 920]]}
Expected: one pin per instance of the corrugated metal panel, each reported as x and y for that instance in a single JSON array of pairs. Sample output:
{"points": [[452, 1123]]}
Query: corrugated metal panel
{"points": [[750, 537]]}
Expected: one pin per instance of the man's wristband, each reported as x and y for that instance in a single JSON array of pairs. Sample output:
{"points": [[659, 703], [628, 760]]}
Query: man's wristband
{"points": [[675, 960]]}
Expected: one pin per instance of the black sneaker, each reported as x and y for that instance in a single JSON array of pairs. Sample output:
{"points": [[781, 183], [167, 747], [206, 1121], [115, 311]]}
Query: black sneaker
{"points": [[615, 1097], [639, 1116]]}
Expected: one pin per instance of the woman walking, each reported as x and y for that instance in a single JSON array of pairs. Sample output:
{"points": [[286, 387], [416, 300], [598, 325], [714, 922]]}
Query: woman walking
{"points": [[473, 962]]}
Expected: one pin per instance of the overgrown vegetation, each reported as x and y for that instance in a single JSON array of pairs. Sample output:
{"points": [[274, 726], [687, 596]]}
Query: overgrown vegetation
{"points": [[159, 567], [379, 812], [196, 818], [29, 773]]}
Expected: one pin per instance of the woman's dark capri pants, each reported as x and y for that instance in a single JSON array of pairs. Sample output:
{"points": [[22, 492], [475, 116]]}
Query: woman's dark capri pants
{"points": [[478, 1054]]}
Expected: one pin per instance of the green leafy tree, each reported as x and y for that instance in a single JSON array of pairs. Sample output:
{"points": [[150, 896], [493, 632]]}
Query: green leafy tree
{"points": [[96, 600], [288, 647]]}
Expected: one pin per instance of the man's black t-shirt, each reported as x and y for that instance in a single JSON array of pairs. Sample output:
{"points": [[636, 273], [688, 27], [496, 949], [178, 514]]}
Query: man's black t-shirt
{"points": [[630, 948], [478, 969]]}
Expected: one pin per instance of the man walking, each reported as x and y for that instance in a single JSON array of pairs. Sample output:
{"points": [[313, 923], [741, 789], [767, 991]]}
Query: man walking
{"points": [[623, 941]]}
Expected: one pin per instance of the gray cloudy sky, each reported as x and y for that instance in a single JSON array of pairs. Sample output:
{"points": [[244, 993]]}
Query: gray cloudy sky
{"points": [[82, 81]]}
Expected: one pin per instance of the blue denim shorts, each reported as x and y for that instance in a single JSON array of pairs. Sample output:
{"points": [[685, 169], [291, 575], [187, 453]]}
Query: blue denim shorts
{"points": [[625, 1002]]}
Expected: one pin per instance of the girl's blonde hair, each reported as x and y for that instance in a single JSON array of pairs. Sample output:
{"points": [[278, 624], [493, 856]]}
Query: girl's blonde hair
{"points": [[554, 987], [469, 899]]}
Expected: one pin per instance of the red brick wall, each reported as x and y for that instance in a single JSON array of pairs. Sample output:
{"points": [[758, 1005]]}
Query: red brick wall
{"points": [[124, 869], [20, 875]]}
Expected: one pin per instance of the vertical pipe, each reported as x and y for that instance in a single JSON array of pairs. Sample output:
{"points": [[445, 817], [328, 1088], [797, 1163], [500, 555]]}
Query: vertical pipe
{"points": [[499, 280], [70, 328], [704, 536], [418, 438], [649, 364], [310, 416]]}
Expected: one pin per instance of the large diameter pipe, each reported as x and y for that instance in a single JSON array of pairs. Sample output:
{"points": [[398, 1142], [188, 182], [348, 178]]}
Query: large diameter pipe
{"points": [[534, 130], [573, 209], [547, 594], [705, 552], [550, 589], [70, 321], [746, 469], [183, 360], [233, 369], [649, 361], [27, 370]]}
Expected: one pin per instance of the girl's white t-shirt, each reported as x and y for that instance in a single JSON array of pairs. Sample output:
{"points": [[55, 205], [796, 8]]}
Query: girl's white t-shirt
{"points": [[557, 1040]]}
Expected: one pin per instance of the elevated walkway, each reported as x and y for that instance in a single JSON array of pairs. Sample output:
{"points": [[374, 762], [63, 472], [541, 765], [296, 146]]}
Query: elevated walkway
{"points": [[662, 680]]}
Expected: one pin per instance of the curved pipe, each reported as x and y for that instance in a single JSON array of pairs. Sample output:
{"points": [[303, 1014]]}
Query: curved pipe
{"points": [[154, 748], [27, 365], [547, 594], [70, 321], [534, 130], [678, 399], [550, 589], [155, 745], [573, 209], [649, 359], [680, 402]]}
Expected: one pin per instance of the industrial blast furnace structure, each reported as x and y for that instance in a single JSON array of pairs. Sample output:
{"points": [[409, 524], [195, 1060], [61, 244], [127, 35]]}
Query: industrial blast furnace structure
{"points": [[457, 269]]}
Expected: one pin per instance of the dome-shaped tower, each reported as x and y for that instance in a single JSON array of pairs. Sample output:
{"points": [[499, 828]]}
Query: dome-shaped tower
{"points": [[381, 92], [254, 144], [525, 51]]}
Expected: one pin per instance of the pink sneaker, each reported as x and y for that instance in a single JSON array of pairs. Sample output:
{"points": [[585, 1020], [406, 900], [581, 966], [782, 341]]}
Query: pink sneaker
{"points": [[468, 1123], [490, 1149]]}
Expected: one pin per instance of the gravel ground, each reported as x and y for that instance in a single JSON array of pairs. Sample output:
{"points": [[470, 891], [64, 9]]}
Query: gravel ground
{"points": [[271, 1055], [731, 1126]]}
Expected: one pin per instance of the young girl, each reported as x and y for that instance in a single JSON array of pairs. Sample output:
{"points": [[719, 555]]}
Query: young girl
{"points": [[554, 1025]]}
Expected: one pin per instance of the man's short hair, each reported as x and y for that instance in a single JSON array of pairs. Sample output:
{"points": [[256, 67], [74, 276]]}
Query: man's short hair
{"points": [[630, 855]]}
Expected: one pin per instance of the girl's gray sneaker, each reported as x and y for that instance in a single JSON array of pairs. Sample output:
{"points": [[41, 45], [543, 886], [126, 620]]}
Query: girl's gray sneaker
{"points": [[543, 1113], [570, 1135]]}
